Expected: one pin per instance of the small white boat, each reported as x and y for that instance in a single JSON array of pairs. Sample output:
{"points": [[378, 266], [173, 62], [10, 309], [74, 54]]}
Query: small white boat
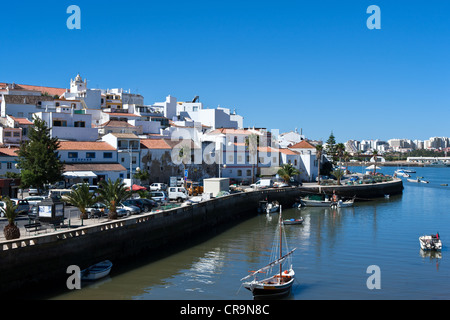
{"points": [[345, 204], [402, 173], [96, 271], [408, 170], [293, 221], [274, 206], [416, 180], [431, 242]]}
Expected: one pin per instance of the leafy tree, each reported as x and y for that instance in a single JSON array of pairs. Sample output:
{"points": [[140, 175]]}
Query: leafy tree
{"points": [[11, 231], [81, 198], [331, 145], [38, 159], [142, 175], [113, 193], [287, 171]]}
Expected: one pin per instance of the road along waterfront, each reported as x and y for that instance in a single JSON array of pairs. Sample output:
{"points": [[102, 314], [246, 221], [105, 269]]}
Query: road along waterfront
{"points": [[334, 250]]}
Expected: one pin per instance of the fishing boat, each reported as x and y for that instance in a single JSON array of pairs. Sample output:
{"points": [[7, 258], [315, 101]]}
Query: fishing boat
{"points": [[430, 242], [96, 271], [274, 206], [293, 221], [326, 203], [280, 283]]}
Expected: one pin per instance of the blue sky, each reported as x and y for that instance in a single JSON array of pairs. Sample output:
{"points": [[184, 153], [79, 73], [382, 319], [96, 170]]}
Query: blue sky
{"points": [[311, 65]]}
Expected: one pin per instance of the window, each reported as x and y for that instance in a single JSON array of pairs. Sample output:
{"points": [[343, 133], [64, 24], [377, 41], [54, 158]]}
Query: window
{"points": [[79, 124], [133, 160], [295, 162], [59, 123], [73, 105], [90, 155], [16, 134], [73, 155], [107, 155], [9, 165], [7, 133], [239, 173], [249, 173]]}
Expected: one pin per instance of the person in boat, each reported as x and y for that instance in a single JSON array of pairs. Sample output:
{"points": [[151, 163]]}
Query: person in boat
{"points": [[334, 198]]}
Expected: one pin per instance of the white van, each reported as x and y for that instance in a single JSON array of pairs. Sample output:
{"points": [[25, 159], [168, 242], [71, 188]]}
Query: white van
{"points": [[178, 193], [262, 183]]}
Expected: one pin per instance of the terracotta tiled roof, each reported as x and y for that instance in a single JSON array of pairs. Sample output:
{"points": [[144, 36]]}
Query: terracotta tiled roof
{"points": [[24, 99], [287, 151], [155, 144], [50, 90], [94, 167], [115, 123], [303, 145], [12, 152], [85, 145], [22, 121]]}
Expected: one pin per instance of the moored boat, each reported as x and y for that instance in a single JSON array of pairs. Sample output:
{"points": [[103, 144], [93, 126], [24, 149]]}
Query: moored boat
{"points": [[280, 283], [293, 221], [96, 271], [274, 206], [430, 242]]}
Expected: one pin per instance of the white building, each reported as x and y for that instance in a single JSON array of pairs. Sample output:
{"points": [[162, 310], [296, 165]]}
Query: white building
{"points": [[87, 161]]}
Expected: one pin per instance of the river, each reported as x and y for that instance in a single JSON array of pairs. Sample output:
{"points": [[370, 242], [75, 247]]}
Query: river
{"points": [[334, 251]]}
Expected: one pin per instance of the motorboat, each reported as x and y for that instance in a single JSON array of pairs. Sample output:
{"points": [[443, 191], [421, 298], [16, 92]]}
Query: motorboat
{"points": [[293, 221], [96, 271], [418, 180], [279, 283], [273, 206], [345, 204], [402, 173], [430, 242]]}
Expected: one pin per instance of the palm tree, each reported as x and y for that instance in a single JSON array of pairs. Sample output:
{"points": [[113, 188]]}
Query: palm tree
{"points": [[319, 149], [338, 173], [11, 231], [287, 171], [112, 193], [346, 156], [81, 198]]}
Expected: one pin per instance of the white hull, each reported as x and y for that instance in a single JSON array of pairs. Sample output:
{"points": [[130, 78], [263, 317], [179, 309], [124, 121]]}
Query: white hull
{"points": [[272, 286], [430, 243], [318, 203]]}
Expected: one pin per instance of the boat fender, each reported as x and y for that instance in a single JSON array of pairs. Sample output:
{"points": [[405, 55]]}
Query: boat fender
{"points": [[286, 272]]}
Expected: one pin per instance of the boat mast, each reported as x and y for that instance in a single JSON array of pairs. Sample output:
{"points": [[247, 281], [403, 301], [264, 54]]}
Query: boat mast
{"points": [[281, 243]]}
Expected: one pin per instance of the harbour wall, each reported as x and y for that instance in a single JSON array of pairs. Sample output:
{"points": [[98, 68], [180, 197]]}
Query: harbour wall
{"points": [[42, 260], [360, 191]]}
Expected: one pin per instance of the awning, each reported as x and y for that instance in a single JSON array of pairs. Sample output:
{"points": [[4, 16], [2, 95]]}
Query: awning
{"points": [[79, 174]]}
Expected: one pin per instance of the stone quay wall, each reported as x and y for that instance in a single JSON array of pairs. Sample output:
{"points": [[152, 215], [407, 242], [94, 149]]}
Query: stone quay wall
{"points": [[32, 262]]}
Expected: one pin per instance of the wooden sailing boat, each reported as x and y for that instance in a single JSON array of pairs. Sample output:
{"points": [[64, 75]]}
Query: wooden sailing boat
{"points": [[279, 283]]}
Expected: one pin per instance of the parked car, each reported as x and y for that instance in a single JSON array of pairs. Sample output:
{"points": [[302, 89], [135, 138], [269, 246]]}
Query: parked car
{"points": [[149, 204], [97, 209], [158, 186], [23, 205], [34, 200], [262, 183], [159, 196], [34, 191], [178, 193], [144, 204], [128, 207]]}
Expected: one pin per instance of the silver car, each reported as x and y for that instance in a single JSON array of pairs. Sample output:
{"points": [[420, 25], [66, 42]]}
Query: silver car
{"points": [[129, 208]]}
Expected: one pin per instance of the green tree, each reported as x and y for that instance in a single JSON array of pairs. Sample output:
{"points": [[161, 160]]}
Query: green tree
{"points": [[338, 174], [112, 193], [142, 175], [11, 231], [287, 171], [331, 145], [38, 159], [81, 198]]}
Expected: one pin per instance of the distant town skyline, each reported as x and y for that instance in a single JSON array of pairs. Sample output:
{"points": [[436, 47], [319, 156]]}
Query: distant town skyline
{"points": [[306, 65]]}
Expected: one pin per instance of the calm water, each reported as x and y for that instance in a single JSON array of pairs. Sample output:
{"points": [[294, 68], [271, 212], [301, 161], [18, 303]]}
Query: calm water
{"points": [[334, 249]]}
